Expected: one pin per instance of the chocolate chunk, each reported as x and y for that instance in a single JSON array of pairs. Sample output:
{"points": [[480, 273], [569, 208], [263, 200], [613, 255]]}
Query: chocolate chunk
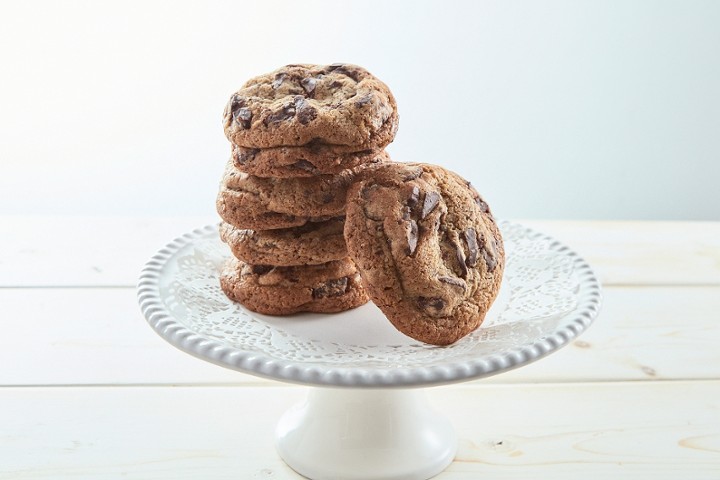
{"points": [[406, 213], [286, 113], [344, 70], [305, 112], [431, 305], [460, 255], [490, 260], [414, 197], [471, 240], [279, 78], [245, 155], [331, 288], [489, 257], [243, 117], [237, 102], [452, 281], [261, 269], [364, 100], [327, 198], [308, 84], [240, 113], [429, 203], [335, 84], [483, 206], [303, 164], [412, 237]]}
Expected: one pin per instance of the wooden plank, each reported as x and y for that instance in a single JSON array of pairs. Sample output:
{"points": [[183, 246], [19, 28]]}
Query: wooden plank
{"points": [[659, 430], [643, 253], [98, 336], [86, 251], [99, 251]]}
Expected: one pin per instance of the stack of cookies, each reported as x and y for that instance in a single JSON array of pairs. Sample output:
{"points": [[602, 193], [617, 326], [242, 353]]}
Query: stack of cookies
{"points": [[300, 136]]}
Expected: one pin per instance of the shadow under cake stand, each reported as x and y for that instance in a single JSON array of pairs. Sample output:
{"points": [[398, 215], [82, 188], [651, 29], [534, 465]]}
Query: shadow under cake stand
{"points": [[366, 419]]}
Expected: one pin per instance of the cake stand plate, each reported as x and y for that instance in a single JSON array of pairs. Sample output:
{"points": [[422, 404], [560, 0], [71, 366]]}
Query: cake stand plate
{"points": [[365, 420]]}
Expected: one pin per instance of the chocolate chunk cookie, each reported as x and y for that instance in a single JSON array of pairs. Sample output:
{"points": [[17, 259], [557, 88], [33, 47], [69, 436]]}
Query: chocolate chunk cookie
{"points": [[260, 203], [339, 104], [311, 244], [427, 247], [282, 162], [327, 288]]}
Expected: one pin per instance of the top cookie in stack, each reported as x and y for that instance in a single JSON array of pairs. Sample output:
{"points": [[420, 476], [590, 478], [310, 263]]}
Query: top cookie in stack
{"points": [[305, 120], [300, 136]]}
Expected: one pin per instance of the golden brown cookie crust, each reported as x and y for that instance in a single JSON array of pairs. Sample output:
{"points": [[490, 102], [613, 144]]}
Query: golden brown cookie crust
{"points": [[310, 244], [427, 247], [296, 105], [328, 288], [284, 162], [260, 203]]}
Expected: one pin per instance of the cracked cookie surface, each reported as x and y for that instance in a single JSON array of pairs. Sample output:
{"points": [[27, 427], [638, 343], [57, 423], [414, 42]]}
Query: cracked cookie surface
{"points": [[427, 247], [333, 105], [327, 288]]}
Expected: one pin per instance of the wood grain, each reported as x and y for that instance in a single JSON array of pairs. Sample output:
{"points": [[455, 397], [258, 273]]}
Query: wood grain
{"points": [[98, 336], [106, 251], [588, 431]]}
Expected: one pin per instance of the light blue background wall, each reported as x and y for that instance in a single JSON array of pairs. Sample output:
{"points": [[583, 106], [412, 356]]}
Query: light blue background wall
{"points": [[558, 109]]}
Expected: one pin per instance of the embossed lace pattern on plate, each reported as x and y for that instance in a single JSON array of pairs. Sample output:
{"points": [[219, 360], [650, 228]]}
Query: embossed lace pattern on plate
{"points": [[543, 288]]}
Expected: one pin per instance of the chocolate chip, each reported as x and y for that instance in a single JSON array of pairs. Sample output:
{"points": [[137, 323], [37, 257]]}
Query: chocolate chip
{"points": [[286, 113], [452, 281], [460, 255], [245, 155], [240, 113], [303, 164], [490, 260], [489, 255], [335, 84], [471, 240], [483, 206], [429, 203], [327, 198], [308, 84], [432, 305], [364, 100], [344, 70], [279, 78], [243, 117], [331, 288], [261, 269], [412, 237], [305, 112], [414, 197]]}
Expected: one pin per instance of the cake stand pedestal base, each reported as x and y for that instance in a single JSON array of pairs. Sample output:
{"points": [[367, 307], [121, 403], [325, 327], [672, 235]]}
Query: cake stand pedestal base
{"points": [[365, 434]]}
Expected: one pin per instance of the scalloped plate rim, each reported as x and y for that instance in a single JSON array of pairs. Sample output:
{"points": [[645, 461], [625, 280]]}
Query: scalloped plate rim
{"points": [[219, 353]]}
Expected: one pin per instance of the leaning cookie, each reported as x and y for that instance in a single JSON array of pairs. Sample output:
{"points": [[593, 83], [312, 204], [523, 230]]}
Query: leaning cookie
{"points": [[296, 105], [328, 288], [283, 162], [427, 247], [260, 203], [310, 244]]}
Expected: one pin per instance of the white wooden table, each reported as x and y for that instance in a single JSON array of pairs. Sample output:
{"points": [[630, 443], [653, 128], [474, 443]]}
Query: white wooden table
{"points": [[90, 391]]}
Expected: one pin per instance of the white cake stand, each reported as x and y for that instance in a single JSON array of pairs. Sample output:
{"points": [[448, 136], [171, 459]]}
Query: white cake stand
{"points": [[365, 421]]}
